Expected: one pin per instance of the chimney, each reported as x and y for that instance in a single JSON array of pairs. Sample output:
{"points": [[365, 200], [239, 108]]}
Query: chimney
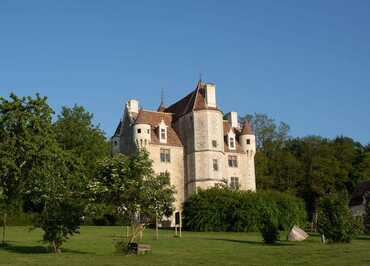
{"points": [[232, 117], [211, 95], [132, 106]]}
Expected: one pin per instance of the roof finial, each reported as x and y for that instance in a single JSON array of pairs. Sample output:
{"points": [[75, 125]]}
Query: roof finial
{"points": [[162, 96], [200, 77]]}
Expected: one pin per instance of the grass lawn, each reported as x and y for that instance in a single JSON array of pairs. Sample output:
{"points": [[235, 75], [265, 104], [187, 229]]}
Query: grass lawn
{"points": [[94, 246]]}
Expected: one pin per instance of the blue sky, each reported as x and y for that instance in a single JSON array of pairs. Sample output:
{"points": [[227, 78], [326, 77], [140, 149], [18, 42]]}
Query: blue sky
{"points": [[303, 62]]}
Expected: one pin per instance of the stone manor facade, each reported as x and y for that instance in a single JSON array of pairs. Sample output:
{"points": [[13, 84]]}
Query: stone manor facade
{"points": [[193, 141]]}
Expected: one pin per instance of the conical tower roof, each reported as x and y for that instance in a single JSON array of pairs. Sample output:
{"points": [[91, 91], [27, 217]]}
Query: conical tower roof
{"points": [[247, 128]]}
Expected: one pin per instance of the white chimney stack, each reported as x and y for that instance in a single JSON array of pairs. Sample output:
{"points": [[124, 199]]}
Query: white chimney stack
{"points": [[211, 95], [232, 117], [132, 106]]}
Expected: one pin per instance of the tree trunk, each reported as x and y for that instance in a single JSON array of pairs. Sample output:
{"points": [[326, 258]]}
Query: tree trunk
{"points": [[4, 228], [156, 228], [55, 247]]}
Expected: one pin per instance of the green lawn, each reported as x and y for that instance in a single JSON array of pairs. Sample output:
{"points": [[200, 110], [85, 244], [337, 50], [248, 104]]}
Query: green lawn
{"points": [[94, 246]]}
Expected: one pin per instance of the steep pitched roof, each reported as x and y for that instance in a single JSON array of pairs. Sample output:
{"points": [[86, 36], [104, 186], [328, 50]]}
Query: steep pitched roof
{"points": [[118, 129], [247, 128], [154, 119], [196, 100], [360, 191]]}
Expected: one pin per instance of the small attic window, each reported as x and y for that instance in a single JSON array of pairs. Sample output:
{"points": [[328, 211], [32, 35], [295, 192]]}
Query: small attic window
{"points": [[232, 143], [248, 141], [162, 132], [214, 143], [139, 130]]}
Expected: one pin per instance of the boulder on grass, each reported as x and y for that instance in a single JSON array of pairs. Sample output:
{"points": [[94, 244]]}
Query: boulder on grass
{"points": [[297, 234]]}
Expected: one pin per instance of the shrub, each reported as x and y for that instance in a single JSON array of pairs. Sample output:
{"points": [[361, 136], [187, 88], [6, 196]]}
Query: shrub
{"points": [[335, 220], [269, 223], [292, 210], [222, 209]]}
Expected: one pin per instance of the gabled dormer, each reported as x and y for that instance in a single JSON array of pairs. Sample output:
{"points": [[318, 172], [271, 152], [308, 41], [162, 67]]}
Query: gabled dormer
{"points": [[162, 132], [231, 140]]}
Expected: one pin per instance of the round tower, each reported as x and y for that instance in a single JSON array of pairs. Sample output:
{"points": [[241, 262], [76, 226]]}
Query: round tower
{"points": [[141, 135], [207, 167], [247, 140]]}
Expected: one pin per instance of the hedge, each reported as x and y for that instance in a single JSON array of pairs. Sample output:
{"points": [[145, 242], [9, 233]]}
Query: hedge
{"points": [[222, 209]]}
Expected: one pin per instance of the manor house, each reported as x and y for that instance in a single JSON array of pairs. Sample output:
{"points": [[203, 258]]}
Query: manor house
{"points": [[193, 141]]}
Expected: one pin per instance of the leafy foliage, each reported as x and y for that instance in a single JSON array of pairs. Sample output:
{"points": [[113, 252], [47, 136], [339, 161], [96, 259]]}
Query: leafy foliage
{"points": [[309, 167], [130, 185], [75, 132], [335, 219], [35, 172], [222, 209]]}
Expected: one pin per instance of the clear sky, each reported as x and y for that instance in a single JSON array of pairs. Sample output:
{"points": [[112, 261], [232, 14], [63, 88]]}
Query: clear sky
{"points": [[303, 62]]}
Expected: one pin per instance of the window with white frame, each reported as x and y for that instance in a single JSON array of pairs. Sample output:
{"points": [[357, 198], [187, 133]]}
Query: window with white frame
{"points": [[234, 182], [231, 140], [162, 132]]}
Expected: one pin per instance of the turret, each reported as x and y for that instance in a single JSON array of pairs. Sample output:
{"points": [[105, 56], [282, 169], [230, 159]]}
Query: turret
{"points": [[247, 139], [141, 132]]}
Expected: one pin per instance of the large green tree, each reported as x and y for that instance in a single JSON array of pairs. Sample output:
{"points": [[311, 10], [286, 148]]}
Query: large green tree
{"points": [[76, 132], [25, 126], [129, 184]]}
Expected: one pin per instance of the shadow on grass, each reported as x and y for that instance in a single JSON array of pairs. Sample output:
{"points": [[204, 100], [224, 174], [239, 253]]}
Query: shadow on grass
{"points": [[362, 238], [258, 243], [34, 249]]}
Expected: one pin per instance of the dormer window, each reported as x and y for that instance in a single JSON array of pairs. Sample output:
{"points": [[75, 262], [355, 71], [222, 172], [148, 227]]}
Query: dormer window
{"points": [[162, 132], [231, 140], [232, 143]]}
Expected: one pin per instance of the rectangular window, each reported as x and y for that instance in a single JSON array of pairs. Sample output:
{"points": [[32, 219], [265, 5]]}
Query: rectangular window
{"points": [[233, 161], [163, 133], [248, 141], [214, 143], [165, 156], [234, 182], [139, 130], [215, 165], [232, 143]]}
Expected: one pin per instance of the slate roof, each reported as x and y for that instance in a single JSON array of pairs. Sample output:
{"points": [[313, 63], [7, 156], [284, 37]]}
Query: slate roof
{"points": [[247, 128], [191, 102], [360, 191]]}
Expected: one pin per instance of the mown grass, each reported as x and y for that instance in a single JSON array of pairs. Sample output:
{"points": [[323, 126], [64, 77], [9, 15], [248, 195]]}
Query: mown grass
{"points": [[94, 246]]}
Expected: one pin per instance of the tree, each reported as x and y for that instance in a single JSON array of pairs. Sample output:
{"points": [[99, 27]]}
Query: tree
{"points": [[75, 132], [266, 129], [24, 129], [55, 194], [129, 184], [161, 194], [335, 221]]}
